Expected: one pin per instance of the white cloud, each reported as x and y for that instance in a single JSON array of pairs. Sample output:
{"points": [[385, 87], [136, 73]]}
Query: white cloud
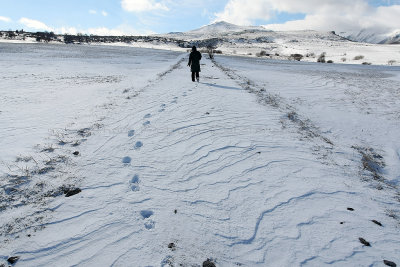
{"points": [[67, 30], [94, 12], [143, 5], [5, 19], [118, 31], [34, 24], [104, 31], [242, 12], [338, 15]]}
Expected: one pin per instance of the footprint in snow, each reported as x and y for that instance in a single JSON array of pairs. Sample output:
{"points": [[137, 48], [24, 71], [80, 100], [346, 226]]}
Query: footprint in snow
{"points": [[135, 183], [146, 123], [135, 179], [149, 224], [146, 213], [138, 145], [131, 133], [175, 100], [147, 116], [126, 160], [162, 107]]}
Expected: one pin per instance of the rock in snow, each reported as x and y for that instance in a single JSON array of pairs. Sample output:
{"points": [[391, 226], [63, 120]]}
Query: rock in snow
{"points": [[72, 191], [13, 260]]}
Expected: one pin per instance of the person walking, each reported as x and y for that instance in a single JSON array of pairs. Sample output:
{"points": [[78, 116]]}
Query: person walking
{"points": [[194, 63]]}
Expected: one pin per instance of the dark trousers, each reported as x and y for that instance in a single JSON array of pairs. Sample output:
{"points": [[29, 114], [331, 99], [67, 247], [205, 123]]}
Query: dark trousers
{"points": [[195, 73]]}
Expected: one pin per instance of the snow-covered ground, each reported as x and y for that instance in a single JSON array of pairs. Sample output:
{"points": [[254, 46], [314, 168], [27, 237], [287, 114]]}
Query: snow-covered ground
{"points": [[50, 87], [262, 163], [256, 41]]}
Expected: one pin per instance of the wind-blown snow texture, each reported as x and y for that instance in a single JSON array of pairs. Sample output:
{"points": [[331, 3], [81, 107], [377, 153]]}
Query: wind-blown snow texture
{"points": [[262, 163]]}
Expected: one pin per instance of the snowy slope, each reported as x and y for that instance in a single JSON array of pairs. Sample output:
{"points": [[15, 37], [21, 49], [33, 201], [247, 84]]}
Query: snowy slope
{"points": [[394, 38], [227, 30], [262, 163], [370, 36], [223, 27], [250, 41]]}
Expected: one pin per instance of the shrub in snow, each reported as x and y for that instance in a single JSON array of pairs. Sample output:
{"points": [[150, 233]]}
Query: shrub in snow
{"points": [[321, 58], [210, 51], [391, 62], [329, 61], [344, 59], [297, 57], [366, 63], [358, 57], [261, 54], [310, 55]]}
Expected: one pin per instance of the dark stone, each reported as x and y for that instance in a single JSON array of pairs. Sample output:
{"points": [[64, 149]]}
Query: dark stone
{"points": [[208, 263], [175, 211], [364, 242], [207, 113], [13, 260], [172, 246], [72, 191], [341, 222], [76, 153], [376, 222], [389, 263], [350, 209]]}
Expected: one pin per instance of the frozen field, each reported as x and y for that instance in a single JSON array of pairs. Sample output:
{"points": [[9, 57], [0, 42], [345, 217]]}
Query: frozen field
{"points": [[49, 87], [262, 163]]}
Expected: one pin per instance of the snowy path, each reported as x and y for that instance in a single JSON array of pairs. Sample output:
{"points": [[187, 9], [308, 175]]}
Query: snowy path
{"points": [[206, 167]]}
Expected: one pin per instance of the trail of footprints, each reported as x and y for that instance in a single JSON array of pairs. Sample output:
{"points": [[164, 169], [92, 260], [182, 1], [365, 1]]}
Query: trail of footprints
{"points": [[146, 215]]}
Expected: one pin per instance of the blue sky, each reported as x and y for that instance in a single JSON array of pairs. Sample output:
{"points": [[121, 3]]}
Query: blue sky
{"points": [[162, 16]]}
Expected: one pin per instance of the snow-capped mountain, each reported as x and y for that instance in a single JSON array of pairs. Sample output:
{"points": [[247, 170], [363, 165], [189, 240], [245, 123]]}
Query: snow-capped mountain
{"points": [[392, 39], [234, 33], [371, 36], [223, 27], [216, 30]]}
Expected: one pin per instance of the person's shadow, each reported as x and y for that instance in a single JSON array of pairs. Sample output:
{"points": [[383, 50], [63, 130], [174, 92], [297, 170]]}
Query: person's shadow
{"points": [[222, 86]]}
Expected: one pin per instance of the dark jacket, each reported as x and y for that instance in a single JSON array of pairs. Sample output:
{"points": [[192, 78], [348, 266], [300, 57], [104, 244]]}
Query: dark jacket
{"points": [[194, 61]]}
